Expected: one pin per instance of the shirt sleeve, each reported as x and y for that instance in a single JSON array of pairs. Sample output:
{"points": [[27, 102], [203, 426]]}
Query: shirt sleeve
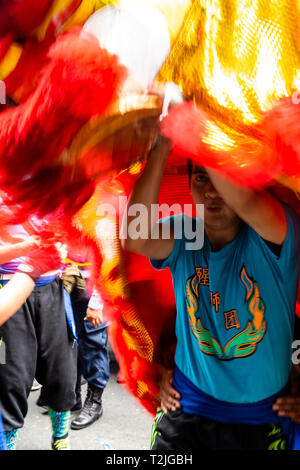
{"points": [[177, 223], [170, 261], [290, 248], [291, 244], [95, 302]]}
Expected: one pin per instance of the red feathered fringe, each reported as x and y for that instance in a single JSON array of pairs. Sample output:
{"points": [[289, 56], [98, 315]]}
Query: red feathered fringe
{"points": [[21, 17], [252, 164], [57, 225], [24, 79], [282, 127], [271, 159], [79, 81]]}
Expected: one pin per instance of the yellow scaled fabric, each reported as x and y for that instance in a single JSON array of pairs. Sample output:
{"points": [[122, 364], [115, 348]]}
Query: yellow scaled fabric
{"points": [[234, 58]]}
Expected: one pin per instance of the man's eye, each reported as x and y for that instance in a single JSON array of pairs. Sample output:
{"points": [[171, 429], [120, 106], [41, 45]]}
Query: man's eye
{"points": [[202, 178]]}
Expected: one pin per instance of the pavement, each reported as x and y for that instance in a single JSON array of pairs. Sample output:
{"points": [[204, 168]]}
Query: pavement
{"points": [[124, 425]]}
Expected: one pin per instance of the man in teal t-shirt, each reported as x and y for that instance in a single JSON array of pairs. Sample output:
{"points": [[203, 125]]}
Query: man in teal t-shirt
{"points": [[235, 299], [235, 313]]}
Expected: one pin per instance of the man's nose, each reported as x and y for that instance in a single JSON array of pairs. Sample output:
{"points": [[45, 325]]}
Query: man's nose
{"points": [[210, 191]]}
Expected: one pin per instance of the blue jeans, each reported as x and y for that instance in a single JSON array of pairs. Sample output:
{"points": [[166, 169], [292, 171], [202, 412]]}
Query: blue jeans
{"points": [[93, 356]]}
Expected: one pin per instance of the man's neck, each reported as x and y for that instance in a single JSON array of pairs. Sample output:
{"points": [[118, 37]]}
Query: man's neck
{"points": [[219, 238]]}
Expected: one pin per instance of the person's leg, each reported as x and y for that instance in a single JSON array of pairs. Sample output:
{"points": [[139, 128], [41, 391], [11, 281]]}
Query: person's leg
{"points": [[263, 437], [79, 304], [57, 360], [78, 403], [181, 431], [175, 431], [94, 360], [95, 357], [17, 368], [3, 445]]}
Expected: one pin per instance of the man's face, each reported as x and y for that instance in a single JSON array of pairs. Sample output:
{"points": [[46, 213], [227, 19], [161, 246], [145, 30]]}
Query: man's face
{"points": [[217, 215]]}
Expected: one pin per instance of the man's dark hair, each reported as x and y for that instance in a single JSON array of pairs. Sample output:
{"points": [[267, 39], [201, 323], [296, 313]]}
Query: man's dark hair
{"points": [[189, 169]]}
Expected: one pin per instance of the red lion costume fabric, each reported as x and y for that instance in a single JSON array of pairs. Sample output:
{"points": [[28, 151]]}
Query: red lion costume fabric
{"points": [[66, 148]]}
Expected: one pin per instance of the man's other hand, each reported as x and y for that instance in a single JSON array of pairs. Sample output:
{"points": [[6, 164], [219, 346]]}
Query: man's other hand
{"points": [[168, 395], [94, 317]]}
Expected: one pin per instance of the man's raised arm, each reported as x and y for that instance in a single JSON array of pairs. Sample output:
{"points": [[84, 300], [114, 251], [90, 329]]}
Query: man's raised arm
{"points": [[146, 192], [260, 210], [12, 251]]}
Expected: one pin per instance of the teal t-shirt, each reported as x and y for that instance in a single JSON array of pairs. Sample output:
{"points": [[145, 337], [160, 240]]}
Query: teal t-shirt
{"points": [[235, 313]]}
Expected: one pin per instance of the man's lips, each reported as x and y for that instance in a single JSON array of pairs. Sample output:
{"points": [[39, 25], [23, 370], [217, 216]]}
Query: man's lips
{"points": [[212, 207]]}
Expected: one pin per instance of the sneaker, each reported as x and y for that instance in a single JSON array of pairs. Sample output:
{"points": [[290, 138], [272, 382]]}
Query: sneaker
{"points": [[35, 386], [61, 444], [91, 411]]}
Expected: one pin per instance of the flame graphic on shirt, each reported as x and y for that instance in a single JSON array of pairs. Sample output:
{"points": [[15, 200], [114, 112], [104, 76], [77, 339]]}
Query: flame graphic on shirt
{"points": [[244, 343]]}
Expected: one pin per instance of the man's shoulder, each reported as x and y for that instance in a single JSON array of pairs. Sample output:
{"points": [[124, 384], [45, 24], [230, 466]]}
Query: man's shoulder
{"points": [[182, 221], [291, 243], [188, 229]]}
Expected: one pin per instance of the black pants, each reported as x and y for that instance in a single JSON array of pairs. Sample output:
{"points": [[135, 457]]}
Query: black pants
{"points": [[181, 431], [37, 344]]}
